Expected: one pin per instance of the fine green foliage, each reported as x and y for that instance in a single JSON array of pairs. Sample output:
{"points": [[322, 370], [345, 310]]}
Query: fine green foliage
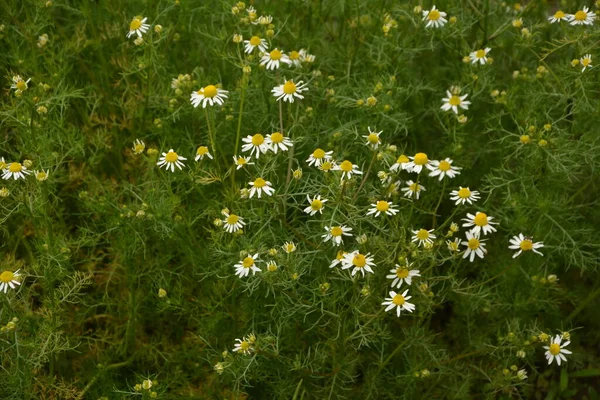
{"points": [[120, 275]]}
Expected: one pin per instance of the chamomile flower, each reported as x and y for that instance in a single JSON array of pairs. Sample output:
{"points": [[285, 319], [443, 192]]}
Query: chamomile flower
{"points": [[171, 160], [586, 62], [338, 259], [443, 169], [259, 186], [327, 166], [137, 26], [523, 243], [464, 195], [423, 236], [276, 141], [41, 176], [556, 350], [263, 20], [202, 152], [417, 162], [435, 18], [295, 58], [455, 100], [402, 163], [453, 245], [243, 268], [19, 84], [475, 246], [582, 17], [273, 59], [412, 189], [402, 274], [382, 207], [336, 234], [373, 139], [289, 90], [15, 170], [315, 205], [479, 56], [253, 43], [318, 157], [399, 302], [232, 223], [243, 346], [210, 95], [358, 262], [480, 223], [558, 16], [8, 279], [3, 163], [241, 161], [138, 146], [289, 247], [348, 169], [256, 144], [306, 57]]}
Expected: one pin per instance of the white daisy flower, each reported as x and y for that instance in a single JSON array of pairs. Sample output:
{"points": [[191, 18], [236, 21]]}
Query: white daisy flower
{"points": [[523, 243], [338, 259], [522, 374], [373, 139], [453, 245], [475, 246], [382, 207], [423, 236], [232, 223], [289, 90], [327, 166], [201, 152], [358, 262], [479, 56], [137, 26], [402, 274], [336, 234], [256, 144], [41, 176], [558, 16], [8, 279], [586, 62], [464, 195], [412, 189], [263, 20], [210, 95], [289, 247], [402, 163], [443, 168], [582, 17], [435, 18], [315, 205], [417, 162], [171, 160], [138, 146], [19, 84], [453, 101], [273, 58], [399, 302], [259, 186], [295, 58], [243, 346], [556, 350], [306, 57], [318, 157], [243, 268], [241, 161], [347, 169], [15, 170], [276, 141], [480, 223], [254, 42]]}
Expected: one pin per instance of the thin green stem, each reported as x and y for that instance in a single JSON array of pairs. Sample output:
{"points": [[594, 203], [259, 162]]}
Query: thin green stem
{"points": [[210, 135], [438, 204], [362, 183]]}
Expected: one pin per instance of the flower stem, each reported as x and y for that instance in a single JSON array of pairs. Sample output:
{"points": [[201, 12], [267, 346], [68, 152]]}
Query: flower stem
{"points": [[210, 135], [362, 183], [438, 205]]}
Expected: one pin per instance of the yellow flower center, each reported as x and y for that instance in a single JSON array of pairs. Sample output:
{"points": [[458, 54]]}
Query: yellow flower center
{"points": [[21, 85], [473, 243], [402, 159], [423, 234], [210, 91], [248, 262], [318, 153], [414, 187], [464, 193], [559, 14], [289, 87], [171, 157], [232, 219], [359, 261], [241, 161], [294, 55], [340, 255], [580, 15], [326, 166], [421, 159], [480, 53], [15, 167], [135, 24], [244, 346], [139, 148], [41, 176], [260, 182], [254, 40], [275, 55], [382, 205], [316, 204], [454, 100], [481, 219], [555, 347], [6, 276], [586, 62], [277, 137], [373, 138], [202, 150], [258, 139], [402, 272], [444, 166], [336, 231], [526, 245], [346, 166], [433, 15], [398, 300]]}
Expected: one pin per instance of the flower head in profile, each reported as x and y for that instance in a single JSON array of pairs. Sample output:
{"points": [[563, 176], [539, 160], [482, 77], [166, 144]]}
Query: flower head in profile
{"points": [[208, 95], [41, 176], [434, 17], [454, 100], [318, 157], [241, 161], [402, 274], [423, 236], [480, 223], [558, 16], [586, 62], [138, 146], [171, 160], [260, 186], [475, 246], [402, 163], [479, 56], [289, 247], [523, 243], [276, 141], [443, 169], [255, 144], [202, 152], [138, 27], [358, 262], [556, 351], [263, 20], [464, 195], [232, 223], [9, 279], [373, 139], [243, 268], [289, 90], [15, 170], [382, 207], [306, 57], [399, 302], [348, 169], [338, 258], [582, 17], [253, 43], [272, 59], [413, 189], [315, 205], [336, 234]]}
